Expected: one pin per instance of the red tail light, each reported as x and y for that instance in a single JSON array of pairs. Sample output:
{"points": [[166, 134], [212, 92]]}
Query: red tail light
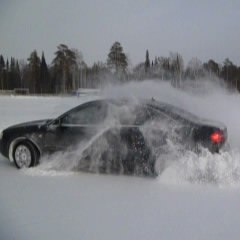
{"points": [[217, 137]]}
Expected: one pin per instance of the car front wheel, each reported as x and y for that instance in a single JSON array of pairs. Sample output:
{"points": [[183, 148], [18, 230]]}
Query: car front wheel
{"points": [[25, 155]]}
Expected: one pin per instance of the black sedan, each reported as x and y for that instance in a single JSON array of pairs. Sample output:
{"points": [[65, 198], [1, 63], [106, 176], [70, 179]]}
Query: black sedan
{"points": [[117, 132]]}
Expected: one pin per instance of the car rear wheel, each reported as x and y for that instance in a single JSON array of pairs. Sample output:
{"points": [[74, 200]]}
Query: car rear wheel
{"points": [[25, 155]]}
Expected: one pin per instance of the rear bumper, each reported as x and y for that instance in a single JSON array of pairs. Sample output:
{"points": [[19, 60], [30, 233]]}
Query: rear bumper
{"points": [[215, 148]]}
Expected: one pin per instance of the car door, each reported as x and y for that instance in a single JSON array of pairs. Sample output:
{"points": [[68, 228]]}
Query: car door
{"points": [[77, 125]]}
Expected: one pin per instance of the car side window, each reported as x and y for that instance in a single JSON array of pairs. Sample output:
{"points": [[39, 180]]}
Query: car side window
{"points": [[92, 114]]}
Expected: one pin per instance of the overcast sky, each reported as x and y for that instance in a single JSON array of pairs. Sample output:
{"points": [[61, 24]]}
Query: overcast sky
{"points": [[194, 28]]}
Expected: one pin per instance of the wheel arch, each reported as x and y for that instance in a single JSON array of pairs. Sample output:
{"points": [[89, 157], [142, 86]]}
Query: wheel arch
{"points": [[16, 141]]}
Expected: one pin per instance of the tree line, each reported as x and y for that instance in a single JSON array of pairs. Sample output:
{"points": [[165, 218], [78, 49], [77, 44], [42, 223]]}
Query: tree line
{"points": [[172, 68], [67, 71]]}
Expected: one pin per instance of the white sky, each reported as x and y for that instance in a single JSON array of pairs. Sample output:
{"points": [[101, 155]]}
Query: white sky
{"points": [[204, 29]]}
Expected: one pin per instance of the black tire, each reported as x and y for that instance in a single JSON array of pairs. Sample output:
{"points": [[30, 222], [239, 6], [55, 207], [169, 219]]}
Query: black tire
{"points": [[29, 155]]}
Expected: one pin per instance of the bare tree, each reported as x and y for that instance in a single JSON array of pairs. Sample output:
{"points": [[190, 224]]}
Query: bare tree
{"points": [[194, 68]]}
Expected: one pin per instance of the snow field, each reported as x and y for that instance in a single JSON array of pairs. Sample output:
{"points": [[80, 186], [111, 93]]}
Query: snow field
{"points": [[194, 198]]}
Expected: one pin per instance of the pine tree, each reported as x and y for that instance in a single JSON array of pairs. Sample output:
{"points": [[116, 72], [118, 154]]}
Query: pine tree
{"points": [[6, 77], [2, 62], [2, 71], [17, 75], [64, 60], [117, 59], [34, 66], [12, 79], [44, 76], [147, 62]]}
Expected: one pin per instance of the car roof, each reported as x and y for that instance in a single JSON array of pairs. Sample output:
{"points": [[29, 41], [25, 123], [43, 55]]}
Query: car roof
{"points": [[166, 108], [181, 114]]}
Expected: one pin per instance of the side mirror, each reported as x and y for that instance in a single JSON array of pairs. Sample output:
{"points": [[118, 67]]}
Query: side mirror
{"points": [[55, 124]]}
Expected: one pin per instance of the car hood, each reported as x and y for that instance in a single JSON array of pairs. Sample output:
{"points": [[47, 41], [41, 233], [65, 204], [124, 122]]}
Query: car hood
{"points": [[37, 123]]}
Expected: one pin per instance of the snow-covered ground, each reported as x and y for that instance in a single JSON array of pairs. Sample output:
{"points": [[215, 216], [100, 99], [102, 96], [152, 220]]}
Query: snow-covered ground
{"points": [[194, 198]]}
